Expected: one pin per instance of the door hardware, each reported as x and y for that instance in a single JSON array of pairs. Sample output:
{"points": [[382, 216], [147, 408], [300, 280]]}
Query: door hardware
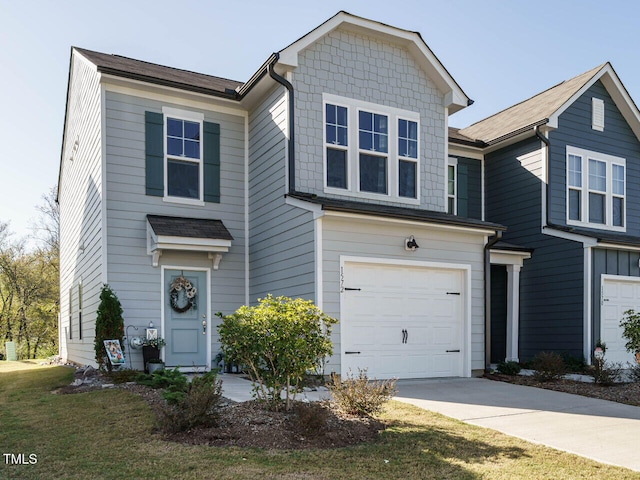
{"points": [[405, 335], [352, 353], [453, 293], [453, 351], [204, 326], [347, 289]]}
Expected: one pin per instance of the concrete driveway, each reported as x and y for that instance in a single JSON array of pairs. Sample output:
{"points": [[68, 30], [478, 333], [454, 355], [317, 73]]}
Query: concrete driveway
{"points": [[604, 431]]}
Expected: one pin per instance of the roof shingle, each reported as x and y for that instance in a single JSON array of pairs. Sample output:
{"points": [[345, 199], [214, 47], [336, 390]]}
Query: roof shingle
{"points": [[188, 227]]}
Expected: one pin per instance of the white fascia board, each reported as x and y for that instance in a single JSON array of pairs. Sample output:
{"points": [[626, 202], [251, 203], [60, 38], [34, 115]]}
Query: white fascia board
{"points": [[189, 243], [508, 257], [615, 246], [314, 208], [456, 150], [586, 241], [433, 225], [455, 98]]}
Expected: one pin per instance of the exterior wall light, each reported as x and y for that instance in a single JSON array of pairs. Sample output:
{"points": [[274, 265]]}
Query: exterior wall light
{"points": [[410, 244]]}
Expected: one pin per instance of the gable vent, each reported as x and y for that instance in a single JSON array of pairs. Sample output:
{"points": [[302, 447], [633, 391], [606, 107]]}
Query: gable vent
{"points": [[597, 114]]}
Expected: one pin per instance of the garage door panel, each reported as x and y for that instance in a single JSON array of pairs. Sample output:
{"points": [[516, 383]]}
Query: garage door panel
{"points": [[391, 299], [618, 297]]}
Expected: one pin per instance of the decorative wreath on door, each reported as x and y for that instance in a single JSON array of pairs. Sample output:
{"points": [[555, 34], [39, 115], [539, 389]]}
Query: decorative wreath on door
{"points": [[182, 295]]}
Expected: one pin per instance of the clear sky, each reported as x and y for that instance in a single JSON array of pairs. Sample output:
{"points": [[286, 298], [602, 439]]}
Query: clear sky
{"points": [[499, 51]]}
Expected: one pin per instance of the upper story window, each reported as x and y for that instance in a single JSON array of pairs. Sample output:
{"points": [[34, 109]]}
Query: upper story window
{"points": [[596, 190], [370, 150], [183, 159]]}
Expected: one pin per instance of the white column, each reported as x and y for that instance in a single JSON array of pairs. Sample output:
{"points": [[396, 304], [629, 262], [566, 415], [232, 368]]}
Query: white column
{"points": [[513, 308]]}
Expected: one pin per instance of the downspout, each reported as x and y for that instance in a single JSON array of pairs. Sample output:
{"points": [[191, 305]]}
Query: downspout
{"points": [[547, 189], [487, 298], [291, 144]]}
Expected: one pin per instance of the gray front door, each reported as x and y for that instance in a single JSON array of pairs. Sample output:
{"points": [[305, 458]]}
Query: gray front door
{"points": [[186, 331]]}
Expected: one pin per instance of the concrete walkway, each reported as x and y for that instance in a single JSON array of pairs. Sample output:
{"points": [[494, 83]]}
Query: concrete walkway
{"points": [[604, 431]]}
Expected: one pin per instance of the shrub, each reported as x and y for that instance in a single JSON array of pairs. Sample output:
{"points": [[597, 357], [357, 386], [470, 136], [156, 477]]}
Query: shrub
{"points": [[548, 366], [605, 373], [277, 342], [310, 418], [631, 330], [359, 395], [574, 364], [509, 368], [109, 325], [173, 381], [197, 406], [634, 373]]}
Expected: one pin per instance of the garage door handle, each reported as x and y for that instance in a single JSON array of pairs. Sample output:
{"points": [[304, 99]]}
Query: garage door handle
{"points": [[453, 293], [453, 351], [352, 353]]}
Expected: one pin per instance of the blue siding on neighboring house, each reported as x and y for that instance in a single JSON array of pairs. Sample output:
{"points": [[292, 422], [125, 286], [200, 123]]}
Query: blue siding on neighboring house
{"points": [[611, 262], [469, 188], [551, 285], [574, 128]]}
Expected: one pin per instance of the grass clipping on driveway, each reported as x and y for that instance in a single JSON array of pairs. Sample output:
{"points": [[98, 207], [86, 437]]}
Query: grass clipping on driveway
{"points": [[107, 435]]}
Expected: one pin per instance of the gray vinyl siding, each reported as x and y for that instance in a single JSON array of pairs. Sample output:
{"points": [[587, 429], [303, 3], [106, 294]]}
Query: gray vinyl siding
{"points": [[574, 129], [469, 183], [368, 69], [383, 239], [281, 251], [80, 199], [610, 262], [130, 272], [551, 282]]}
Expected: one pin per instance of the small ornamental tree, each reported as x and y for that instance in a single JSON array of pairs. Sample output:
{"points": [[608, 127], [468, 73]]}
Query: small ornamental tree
{"points": [[277, 341], [109, 325], [631, 331]]}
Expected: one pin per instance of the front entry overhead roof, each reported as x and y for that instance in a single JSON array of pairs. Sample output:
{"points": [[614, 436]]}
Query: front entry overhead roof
{"points": [[187, 234]]}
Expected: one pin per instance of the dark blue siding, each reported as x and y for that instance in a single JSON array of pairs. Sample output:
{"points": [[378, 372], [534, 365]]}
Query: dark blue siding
{"points": [[574, 128], [469, 188], [498, 313], [551, 305], [611, 262]]}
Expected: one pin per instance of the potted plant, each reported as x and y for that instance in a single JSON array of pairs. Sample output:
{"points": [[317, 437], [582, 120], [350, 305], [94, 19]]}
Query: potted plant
{"points": [[630, 325], [151, 353]]}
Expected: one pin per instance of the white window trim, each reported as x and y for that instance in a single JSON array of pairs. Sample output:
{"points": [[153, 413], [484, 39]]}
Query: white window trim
{"points": [[609, 160], [353, 151], [453, 162], [191, 117]]}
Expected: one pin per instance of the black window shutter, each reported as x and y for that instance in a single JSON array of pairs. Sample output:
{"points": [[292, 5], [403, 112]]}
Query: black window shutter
{"points": [[154, 158], [463, 191], [211, 147]]}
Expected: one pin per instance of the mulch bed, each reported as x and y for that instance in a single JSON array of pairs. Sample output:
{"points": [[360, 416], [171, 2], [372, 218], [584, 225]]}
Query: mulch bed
{"points": [[628, 393]]}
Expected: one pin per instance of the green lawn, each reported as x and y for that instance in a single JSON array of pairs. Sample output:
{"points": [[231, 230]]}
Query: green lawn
{"points": [[106, 434]]}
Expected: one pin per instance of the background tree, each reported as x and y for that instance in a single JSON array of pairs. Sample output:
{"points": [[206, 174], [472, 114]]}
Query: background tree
{"points": [[109, 325]]}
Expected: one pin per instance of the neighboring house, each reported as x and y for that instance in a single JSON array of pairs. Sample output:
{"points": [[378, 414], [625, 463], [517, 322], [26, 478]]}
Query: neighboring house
{"points": [[562, 172], [331, 174]]}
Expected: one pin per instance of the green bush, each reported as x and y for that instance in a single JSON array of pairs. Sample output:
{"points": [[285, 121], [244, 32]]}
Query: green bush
{"points": [[548, 366], [605, 373], [173, 381], [631, 330], [109, 325], [359, 395], [277, 342], [509, 368], [197, 406]]}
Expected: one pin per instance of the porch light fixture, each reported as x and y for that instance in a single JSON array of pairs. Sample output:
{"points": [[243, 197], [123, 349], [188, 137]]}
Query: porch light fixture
{"points": [[410, 244]]}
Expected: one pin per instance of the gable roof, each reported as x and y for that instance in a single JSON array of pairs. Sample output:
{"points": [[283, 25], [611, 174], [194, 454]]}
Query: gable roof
{"points": [[455, 98], [161, 75], [546, 107]]}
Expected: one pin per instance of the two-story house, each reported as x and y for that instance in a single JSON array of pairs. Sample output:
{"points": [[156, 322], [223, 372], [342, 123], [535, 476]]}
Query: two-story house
{"points": [[332, 174], [562, 172]]}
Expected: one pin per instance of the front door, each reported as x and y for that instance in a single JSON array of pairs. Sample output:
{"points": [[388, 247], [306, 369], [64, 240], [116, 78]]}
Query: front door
{"points": [[185, 318]]}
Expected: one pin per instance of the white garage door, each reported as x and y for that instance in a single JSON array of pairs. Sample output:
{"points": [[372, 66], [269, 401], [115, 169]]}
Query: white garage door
{"points": [[618, 296], [402, 321]]}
